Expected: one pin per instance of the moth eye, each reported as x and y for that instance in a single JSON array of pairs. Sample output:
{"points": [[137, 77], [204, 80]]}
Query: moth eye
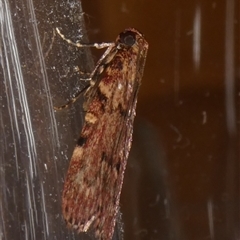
{"points": [[128, 38]]}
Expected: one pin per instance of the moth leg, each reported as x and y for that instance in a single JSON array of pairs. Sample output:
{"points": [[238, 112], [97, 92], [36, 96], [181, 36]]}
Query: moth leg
{"points": [[109, 46], [77, 44], [92, 82], [73, 100], [83, 73]]}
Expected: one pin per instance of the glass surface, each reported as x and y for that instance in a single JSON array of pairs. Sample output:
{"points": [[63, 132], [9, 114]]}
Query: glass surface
{"points": [[182, 178]]}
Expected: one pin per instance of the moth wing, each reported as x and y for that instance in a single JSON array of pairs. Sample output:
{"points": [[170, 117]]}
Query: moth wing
{"points": [[94, 180], [111, 175]]}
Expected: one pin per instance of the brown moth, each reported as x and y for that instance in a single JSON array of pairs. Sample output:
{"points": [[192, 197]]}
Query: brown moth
{"points": [[94, 179]]}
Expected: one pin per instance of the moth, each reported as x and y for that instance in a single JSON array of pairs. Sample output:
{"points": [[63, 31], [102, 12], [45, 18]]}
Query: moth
{"points": [[92, 188]]}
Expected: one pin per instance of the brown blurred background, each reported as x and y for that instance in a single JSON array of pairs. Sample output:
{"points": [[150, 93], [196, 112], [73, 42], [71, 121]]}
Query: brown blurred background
{"points": [[182, 180]]}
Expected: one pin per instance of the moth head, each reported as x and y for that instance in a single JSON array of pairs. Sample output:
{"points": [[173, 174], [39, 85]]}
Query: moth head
{"points": [[127, 38]]}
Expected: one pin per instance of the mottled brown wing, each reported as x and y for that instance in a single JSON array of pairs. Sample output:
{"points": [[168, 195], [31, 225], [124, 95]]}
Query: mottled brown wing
{"points": [[95, 176]]}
